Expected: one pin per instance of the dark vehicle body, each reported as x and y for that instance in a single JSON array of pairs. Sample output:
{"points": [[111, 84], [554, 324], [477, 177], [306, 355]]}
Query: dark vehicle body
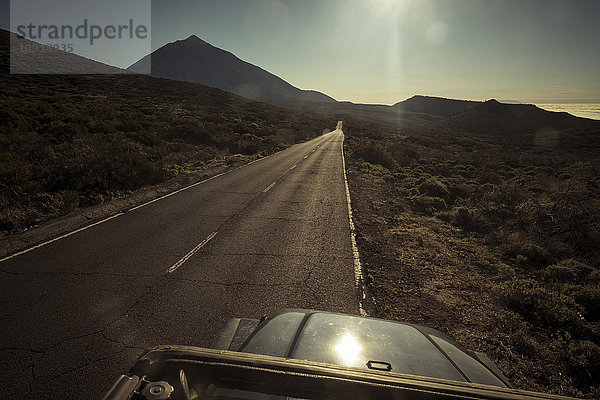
{"points": [[305, 354]]}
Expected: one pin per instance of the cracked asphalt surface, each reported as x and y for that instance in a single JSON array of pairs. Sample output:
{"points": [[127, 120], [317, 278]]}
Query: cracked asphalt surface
{"points": [[77, 312]]}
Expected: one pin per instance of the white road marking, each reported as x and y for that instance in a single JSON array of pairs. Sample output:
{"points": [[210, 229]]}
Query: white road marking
{"points": [[269, 188], [60, 237], [358, 271], [134, 208], [191, 253], [131, 209]]}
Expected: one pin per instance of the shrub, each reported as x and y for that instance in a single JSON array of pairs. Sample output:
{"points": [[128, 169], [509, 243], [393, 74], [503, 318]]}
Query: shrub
{"points": [[129, 126], [583, 357], [402, 154], [489, 177], [101, 127], [374, 154], [174, 169], [423, 141], [12, 217], [568, 271], [68, 199], [462, 216], [526, 252], [60, 131], [373, 169], [445, 216], [414, 192], [522, 260], [559, 273], [192, 132], [487, 188], [534, 253], [430, 205], [462, 190], [505, 271], [540, 305], [434, 188], [589, 298], [146, 138]]}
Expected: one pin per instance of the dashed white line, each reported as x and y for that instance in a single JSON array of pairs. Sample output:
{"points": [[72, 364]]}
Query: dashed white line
{"points": [[269, 187], [358, 271], [137, 208], [131, 209], [191, 253]]}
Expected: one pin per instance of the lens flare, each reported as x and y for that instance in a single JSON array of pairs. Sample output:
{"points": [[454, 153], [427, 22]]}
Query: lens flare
{"points": [[348, 350]]}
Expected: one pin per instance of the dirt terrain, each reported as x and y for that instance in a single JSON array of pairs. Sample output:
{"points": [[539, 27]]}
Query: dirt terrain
{"points": [[435, 255]]}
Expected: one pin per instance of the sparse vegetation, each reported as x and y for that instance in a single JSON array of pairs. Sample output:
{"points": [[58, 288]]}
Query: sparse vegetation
{"points": [[75, 141], [494, 239]]}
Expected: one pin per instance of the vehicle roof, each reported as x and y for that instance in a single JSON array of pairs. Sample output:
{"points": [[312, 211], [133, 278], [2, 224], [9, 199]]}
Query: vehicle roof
{"points": [[262, 376], [369, 343]]}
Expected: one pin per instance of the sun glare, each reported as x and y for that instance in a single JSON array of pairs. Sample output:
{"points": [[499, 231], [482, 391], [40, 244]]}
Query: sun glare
{"points": [[348, 349]]}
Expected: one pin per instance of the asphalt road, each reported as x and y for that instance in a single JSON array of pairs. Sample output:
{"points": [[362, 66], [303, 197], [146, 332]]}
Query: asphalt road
{"points": [[273, 234]]}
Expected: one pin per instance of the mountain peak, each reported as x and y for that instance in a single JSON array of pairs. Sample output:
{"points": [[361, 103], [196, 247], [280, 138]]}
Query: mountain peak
{"points": [[194, 38], [194, 60]]}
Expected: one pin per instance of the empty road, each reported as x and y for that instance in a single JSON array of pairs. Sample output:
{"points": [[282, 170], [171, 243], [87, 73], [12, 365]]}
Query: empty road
{"points": [[270, 235]]}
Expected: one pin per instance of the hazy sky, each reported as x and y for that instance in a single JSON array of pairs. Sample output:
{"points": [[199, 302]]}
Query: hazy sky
{"points": [[383, 51]]}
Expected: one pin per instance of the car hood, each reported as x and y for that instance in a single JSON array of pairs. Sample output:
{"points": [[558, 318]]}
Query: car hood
{"points": [[370, 343]]}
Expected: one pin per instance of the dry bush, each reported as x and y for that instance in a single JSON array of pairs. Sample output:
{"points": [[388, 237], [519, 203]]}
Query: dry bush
{"points": [[534, 209], [98, 136]]}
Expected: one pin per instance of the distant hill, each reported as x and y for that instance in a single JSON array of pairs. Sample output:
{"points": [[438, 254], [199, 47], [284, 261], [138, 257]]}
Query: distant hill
{"points": [[415, 110], [436, 106], [194, 60], [496, 118], [28, 57]]}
